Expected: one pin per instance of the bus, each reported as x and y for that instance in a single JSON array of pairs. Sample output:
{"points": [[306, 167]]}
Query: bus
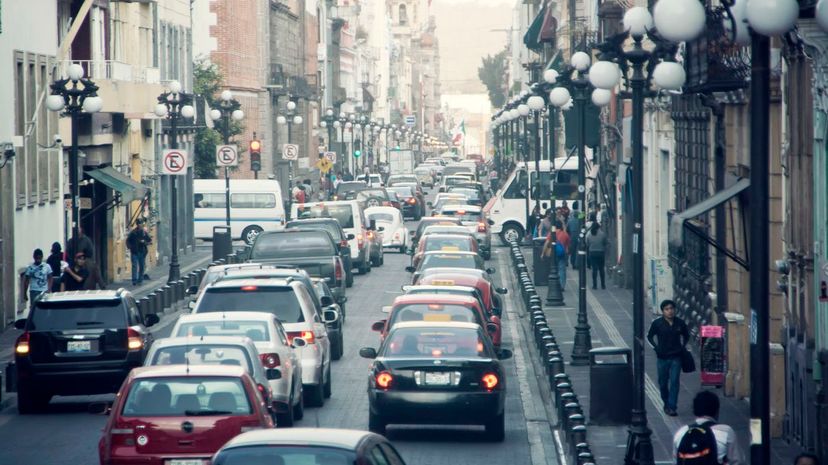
{"points": [[255, 206]]}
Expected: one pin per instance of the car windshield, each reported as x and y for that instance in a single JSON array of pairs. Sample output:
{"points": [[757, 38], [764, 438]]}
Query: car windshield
{"points": [[471, 194], [426, 222], [296, 244], [434, 312], [461, 230], [446, 244], [449, 260], [285, 455], [187, 396], [280, 301], [434, 342], [203, 354], [77, 314], [463, 215], [257, 331], [333, 229], [386, 217], [342, 213], [403, 191]]}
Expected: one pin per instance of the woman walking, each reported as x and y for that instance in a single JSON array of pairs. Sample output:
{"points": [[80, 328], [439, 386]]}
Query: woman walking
{"points": [[596, 242]]}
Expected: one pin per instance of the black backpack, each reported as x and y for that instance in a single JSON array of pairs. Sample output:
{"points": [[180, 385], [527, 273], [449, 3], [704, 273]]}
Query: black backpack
{"points": [[698, 446]]}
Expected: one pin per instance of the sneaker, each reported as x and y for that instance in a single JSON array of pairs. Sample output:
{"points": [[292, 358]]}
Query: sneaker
{"points": [[671, 412]]}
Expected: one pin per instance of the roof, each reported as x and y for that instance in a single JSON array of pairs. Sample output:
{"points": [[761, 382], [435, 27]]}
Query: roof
{"points": [[460, 279], [187, 370], [450, 252], [457, 206], [83, 295], [318, 219], [434, 299], [391, 210], [449, 270], [438, 219], [435, 324], [419, 287], [230, 283], [231, 316], [321, 437], [449, 236], [201, 340]]}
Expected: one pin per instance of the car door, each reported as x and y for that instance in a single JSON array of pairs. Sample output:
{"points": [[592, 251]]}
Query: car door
{"points": [[320, 329]]}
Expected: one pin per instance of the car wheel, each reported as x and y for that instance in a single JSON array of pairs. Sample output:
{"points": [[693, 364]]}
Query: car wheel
{"points": [[328, 384], [511, 233], [336, 347], [349, 279], [299, 409], [285, 420], [496, 428], [315, 395], [29, 401], [381, 258], [250, 234], [364, 267], [376, 424]]}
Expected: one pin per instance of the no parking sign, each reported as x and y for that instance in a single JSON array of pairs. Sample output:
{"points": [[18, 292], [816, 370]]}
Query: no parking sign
{"points": [[174, 162]]}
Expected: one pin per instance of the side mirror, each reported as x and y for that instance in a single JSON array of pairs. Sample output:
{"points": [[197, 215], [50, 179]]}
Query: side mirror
{"points": [[429, 205], [298, 342], [490, 270], [378, 326], [330, 315], [20, 324], [410, 269], [191, 304], [501, 290], [491, 222], [412, 233], [151, 319], [99, 408], [350, 237], [326, 301], [497, 311], [273, 373], [192, 290], [504, 354], [368, 352], [491, 328]]}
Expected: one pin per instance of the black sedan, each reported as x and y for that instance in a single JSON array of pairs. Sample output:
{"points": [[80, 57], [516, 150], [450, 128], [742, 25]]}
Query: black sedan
{"points": [[437, 373], [412, 202]]}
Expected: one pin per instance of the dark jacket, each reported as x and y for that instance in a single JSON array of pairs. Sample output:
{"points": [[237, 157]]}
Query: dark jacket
{"points": [[138, 240], [668, 340]]}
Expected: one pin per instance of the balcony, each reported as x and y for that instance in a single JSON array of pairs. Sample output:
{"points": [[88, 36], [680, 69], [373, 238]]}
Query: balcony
{"points": [[714, 63], [124, 88], [112, 70]]}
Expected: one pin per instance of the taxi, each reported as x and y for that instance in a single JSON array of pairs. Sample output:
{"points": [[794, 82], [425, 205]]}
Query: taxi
{"points": [[489, 294], [443, 243], [439, 259]]}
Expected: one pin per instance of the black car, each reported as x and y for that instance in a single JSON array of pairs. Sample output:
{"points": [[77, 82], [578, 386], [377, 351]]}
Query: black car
{"points": [[412, 203], [344, 188], [340, 237], [78, 343], [437, 373]]}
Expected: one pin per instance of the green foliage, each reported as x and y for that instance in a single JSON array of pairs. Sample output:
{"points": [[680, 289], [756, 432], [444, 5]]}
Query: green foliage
{"points": [[207, 84], [206, 140], [493, 73]]}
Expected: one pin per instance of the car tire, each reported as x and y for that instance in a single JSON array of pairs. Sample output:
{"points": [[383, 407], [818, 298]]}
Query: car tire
{"points": [[299, 409], [328, 386], [29, 401], [364, 267], [349, 279], [496, 428], [336, 347], [315, 395], [250, 233], [511, 231], [285, 420], [381, 260], [376, 424]]}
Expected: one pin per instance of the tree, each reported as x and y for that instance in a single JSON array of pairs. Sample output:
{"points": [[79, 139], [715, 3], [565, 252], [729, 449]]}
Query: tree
{"points": [[207, 83], [492, 74]]}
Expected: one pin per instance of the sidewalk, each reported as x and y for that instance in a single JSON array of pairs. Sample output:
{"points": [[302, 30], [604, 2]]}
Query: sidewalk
{"points": [[610, 319]]}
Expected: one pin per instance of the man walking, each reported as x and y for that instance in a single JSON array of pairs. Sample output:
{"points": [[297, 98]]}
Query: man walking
{"points": [[137, 242], [705, 441], [38, 277], [668, 335], [573, 228]]}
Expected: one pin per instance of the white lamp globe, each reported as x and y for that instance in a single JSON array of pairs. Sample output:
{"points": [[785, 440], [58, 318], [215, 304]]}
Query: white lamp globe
{"points": [[238, 115], [679, 20], [175, 87], [559, 96], [323, 123], [821, 14], [569, 105], [92, 104], [772, 17], [215, 115], [75, 72], [741, 35], [348, 125], [604, 74], [297, 119], [550, 76], [535, 103], [638, 21], [160, 110], [601, 97], [513, 114], [329, 112], [281, 120], [226, 95], [580, 61], [291, 105], [397, 133], [187, 111], [55, 102], [357, 126], [669, 75], [523, 109], [337, 124]]}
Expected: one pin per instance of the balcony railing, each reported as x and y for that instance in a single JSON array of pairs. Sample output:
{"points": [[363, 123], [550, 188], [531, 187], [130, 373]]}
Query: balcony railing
{"points": [[113, 70], [714, 63]]}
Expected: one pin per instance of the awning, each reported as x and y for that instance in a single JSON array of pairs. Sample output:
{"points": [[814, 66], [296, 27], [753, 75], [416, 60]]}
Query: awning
{"points": [[556, 62], [549, 28], [129, 189], [683, 219], [532, 37]]}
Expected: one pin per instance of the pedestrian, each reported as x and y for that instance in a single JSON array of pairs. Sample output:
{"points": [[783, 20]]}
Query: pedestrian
{"points": [[562, 237], [573, 228], [83, 244], [546, 222], [668, 335], [37, 279], [299, 194], [596, 242], [57, 264], [534, 219], [563, 213], [138, 242], [806, 458], [74, 276], [706, 441]]}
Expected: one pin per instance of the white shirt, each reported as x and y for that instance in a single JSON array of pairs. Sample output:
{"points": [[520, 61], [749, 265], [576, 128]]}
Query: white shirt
{"points": [[726, 444]]}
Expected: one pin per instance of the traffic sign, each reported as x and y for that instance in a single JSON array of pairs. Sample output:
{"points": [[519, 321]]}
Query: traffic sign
{"points": [[331, 156], [174, 161], [227, 155], [324, 165], [290, 152], [410, 120]]}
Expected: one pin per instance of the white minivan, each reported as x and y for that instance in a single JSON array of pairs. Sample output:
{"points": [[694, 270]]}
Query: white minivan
{"points": [[255, 206], [351, 217]]}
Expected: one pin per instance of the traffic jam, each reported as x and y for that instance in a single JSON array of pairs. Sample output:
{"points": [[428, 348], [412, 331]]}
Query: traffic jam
{"points": [[231, 379]]}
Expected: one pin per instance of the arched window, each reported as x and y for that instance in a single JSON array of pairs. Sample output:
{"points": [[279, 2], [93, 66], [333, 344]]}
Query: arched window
{"points": [[403, 15]]}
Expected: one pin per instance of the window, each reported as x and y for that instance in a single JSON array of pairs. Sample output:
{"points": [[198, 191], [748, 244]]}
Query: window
{"points": [[257, 331], [376, 457], [210, 201], [403, 17], [280, 301], [178, 397], [517, 189], [20, 129], [204, 354], [253, 200]]}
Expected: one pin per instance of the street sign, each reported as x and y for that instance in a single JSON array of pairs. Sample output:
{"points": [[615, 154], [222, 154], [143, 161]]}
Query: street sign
{"points": [[290, 152], [324, 165], [410, 120], [227, 155], [331, 156], [174, 161]]}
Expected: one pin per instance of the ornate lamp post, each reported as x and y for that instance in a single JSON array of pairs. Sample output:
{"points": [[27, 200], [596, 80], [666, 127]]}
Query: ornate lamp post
{"points": [[290, 118], [174, 105], [228, 108]]}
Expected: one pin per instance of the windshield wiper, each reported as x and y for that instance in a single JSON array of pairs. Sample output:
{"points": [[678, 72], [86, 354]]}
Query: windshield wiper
{"points": [[201, 413], [89, 323]]}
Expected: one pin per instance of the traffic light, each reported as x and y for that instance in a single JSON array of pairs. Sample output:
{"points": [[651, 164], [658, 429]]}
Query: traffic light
{"points": [[255, 155], [357, 148]]}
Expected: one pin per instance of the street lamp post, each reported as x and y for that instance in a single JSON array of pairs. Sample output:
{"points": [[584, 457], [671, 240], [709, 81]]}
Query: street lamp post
{"points": [[74, 95], [228, 108], [289, 118], [174, 105]]}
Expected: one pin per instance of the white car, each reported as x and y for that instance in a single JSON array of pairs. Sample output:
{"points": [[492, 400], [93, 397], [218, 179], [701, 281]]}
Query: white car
{"points": [[372, 179], [270, 339], [395, 233]]}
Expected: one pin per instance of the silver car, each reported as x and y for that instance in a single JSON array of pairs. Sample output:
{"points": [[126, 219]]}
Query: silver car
{"points": [[269, 338]]}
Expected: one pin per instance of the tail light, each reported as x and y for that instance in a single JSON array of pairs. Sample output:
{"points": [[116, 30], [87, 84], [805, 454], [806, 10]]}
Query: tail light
{"points": [[339, 270], [490, 381], [270, 360], [386, 203], [412, 200], [360, 241], [481, 227], [370, 234], [134, 340], [384, 380], [308, 336], [396, 236], [21, 347]]}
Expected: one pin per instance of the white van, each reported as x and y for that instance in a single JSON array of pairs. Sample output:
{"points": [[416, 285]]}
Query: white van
{"points": [[255, 206], [507, 208], [351, 217]]}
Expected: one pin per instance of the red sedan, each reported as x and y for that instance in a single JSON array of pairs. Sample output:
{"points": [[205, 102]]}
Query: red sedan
{"points": [[489, 293], [180, 414]]}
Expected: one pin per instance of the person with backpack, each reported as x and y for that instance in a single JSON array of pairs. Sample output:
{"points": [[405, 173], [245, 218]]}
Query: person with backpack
{"points": [[596, 243], [706, 441], [559, 254], [668, 335]]}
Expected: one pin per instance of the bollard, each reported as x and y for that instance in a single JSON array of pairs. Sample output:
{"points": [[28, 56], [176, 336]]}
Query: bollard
{"points": [[566, 396], [144, 306], [153, 302], [556, 367], [570, 409], [166, 297], [584, 458], [577, 438], [180, 290], [232, 258]]}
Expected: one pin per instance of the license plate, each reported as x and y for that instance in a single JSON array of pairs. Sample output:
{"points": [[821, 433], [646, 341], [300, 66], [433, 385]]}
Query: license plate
{"points": [[438, 379], [79, 346], [185, 462]]}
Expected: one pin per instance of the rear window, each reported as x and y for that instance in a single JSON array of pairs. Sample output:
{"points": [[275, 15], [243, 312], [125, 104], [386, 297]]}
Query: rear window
{"points": [[386, 217], [400, 179], [436, 221], [434, 312], [203, 354], [449, 261], [287, 455], [332, 229], [461, 244], [280, 301], [342, 213], [462, 215], [435, 342], [404, 191], [293, 245], [350, 186], [257, 331], [88, 314], [187, 396]]}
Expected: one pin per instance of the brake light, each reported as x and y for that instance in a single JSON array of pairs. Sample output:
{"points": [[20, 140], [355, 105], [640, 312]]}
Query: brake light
{"points": [[21, 347], [370, 234], [339, 272], [386, 203], [308, 336], [412, 200], [344, 243], [134, 340], [270, 360], [490, 381], [360, 241], [384, 380], [249, 288], [481, 227]]}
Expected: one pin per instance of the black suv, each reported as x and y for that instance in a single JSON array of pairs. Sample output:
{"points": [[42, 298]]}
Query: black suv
{"points": [[340, 238], [78, 343]]}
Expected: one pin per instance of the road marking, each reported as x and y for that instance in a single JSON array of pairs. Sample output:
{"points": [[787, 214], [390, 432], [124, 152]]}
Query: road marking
{"points": [[559, 447]]}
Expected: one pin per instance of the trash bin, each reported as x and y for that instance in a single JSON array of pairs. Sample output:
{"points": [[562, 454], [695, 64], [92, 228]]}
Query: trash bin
{"points": [[540, 265], [610, 386], [222, 242]]}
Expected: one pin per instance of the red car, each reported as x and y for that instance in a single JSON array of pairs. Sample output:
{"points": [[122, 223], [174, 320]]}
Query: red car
{"points": [[180, 414], [489, 293], [439, 308]]}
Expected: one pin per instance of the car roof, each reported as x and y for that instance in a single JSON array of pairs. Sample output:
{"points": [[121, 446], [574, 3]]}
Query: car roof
{"points": [[69, 296], [449, 270], [426, 287], [321, 219], [320, 437], [457, 206], [261, 282], [230, 316], [465, 237], [187, 370], [392, 210], [460, 279], [407, 299], [201, 340], [451, 252], [435, 324], [437, 219]]}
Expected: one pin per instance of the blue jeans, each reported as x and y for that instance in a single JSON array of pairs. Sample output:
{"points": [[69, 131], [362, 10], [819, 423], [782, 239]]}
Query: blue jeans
{"points": [[138, 263], [562, 272], [669, 370]]}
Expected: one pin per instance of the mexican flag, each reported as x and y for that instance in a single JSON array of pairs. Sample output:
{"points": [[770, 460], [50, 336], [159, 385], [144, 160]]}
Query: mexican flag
{"points": [[459, 133]]}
